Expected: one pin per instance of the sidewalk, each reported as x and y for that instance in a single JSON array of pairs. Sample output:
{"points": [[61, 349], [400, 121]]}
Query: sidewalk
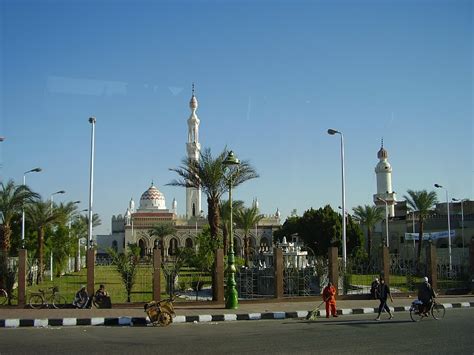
{"points": [[135, 315]]}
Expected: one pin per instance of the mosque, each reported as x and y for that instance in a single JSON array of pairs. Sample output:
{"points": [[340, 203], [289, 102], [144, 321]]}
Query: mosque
{"points": [[135, 225]]}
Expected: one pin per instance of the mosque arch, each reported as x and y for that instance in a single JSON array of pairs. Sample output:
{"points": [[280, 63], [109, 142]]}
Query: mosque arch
{"points": [[142, 246], [173, 248], [189, 243]]}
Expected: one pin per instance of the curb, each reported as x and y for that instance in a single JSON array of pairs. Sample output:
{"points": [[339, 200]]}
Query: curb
{"points": [[144, 321]]}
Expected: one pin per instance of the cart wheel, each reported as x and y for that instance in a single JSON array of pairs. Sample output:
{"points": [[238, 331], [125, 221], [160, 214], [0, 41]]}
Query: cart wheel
{"points": [[164, 319]]}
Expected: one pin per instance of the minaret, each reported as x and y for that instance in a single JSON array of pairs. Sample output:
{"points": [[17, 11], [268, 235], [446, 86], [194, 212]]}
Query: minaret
{"points": [[383, 171], [193, 147]]}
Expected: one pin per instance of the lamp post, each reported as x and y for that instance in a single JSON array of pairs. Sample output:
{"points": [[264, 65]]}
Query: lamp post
{"points": [[449, 225], [462, 221], [386, 220], [232, 300], [92, 121], [35, 170], [344, 257], [60, 192]]}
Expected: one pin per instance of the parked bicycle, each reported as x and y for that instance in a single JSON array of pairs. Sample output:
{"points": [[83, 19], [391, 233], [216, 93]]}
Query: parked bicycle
{"points": [[40, 299], [3, 296], [436, 310]]}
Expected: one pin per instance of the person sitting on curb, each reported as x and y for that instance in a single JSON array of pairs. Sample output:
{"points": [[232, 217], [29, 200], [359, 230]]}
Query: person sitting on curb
{"points": [[383, 293], [102, 298], [82, 298], [329, 296]]}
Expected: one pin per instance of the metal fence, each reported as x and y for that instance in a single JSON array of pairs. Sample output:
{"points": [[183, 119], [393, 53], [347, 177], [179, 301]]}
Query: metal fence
{"points": [[256, 283]]}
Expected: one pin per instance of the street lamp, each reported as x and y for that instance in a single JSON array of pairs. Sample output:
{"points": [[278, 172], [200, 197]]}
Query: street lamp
{"points": [[35, 170], [60, 192], [344, 258], [232, 301], [462, 221], [386, 219], [92, 121], [449, 225]]}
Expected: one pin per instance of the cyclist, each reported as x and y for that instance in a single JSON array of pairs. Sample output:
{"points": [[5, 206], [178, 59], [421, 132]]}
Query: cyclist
{"points": [[426, 295]]}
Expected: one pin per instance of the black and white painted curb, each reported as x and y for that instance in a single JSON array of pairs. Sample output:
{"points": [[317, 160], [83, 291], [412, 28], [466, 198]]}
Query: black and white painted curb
{"points": [[144, 321]]}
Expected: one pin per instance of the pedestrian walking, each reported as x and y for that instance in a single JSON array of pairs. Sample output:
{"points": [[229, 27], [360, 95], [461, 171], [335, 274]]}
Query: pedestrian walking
{"points": [[329, 296], [384, 293], [374, 287]]}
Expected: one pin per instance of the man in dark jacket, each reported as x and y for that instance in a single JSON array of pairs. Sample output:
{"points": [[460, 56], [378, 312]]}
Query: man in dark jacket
{"points": [[384, 293], [426, 295]]}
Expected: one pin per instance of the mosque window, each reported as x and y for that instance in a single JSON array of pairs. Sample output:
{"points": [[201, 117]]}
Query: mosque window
{"points": [[189, 243]]}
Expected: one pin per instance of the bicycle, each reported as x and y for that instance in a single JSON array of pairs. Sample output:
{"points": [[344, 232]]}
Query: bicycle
{"points": [[3, 296], [40, 299], [436, 310]]}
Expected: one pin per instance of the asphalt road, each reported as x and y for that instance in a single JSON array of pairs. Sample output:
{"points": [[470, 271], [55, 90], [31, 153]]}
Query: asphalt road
{"points": [[346, 334]]}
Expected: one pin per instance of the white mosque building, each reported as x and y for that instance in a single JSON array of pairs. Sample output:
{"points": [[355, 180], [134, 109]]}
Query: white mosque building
{"points": [[135, 225]]}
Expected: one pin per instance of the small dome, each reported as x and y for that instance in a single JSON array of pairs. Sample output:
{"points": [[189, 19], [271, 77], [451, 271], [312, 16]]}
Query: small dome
{"points": [[382, 153], [152, 198]]}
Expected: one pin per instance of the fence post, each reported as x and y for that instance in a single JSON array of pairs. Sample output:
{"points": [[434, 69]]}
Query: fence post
{"points": [[22, 258], [385, 265], [432, 265], [157, 274], [90, 271], [278, 262], [333, 267], [219, 276]]}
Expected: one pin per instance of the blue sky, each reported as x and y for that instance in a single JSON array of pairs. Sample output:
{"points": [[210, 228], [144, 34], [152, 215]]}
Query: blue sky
{"points": [[271, 77]]}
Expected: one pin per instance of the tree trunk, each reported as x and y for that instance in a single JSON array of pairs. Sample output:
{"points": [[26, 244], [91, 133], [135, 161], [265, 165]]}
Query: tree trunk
{"points": [[420, 242], [213, 217], [40, 254], [5, 233]]}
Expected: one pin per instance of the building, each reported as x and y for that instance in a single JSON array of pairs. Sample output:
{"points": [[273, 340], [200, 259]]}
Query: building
{"points": [[136, 224]]}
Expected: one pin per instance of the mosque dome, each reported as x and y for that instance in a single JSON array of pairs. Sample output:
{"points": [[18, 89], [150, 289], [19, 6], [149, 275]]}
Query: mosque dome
{"points": [[152, 199]]}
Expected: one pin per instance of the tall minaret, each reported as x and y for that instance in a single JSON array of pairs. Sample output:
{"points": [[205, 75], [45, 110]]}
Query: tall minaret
{"points": [[383, 170], [193, 196]]}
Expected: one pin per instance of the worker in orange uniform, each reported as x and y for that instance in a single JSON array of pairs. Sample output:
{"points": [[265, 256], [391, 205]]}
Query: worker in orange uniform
{"points": [[329, 296]]}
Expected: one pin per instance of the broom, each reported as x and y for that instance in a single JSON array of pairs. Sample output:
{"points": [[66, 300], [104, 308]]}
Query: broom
{"points": [[314, 313]]}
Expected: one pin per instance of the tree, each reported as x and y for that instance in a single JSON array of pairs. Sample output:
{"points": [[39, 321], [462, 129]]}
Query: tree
{"points": [[421, 201], [368, 216], [126, 264], [208, 174], [41, 216], [320, 229], [161, 230], [224, 212], [12, 199], [246, 219]]}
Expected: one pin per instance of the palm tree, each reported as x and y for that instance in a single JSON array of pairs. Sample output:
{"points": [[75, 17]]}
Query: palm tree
{"points": [[421, 201], [368, 216], [12, 199], [246, 219], [224, 212], [161, 230], [208, 174], [41, 216]]}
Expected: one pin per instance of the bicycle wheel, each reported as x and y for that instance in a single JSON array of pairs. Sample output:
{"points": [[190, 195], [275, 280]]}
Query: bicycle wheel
{"points": [[36, 301], [59, 301], [415, 314], [438, 311], [3, 296]]}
